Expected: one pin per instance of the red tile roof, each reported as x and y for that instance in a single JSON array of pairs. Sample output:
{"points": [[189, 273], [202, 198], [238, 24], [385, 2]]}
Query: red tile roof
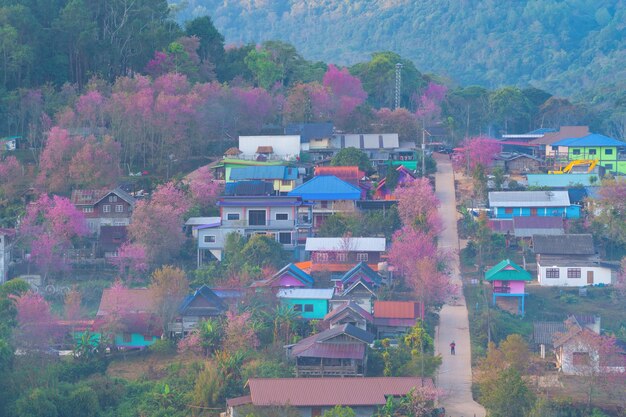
{"points": [[396, 309], [317, 392], [348, 174], [127, 300]]}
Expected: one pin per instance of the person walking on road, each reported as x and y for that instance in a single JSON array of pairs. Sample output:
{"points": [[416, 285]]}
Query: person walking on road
{"points": [[452, 348]]}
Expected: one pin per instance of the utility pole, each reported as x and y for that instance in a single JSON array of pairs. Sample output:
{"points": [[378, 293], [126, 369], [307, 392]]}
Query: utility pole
{"points": [[398, 85], [424, 132]]}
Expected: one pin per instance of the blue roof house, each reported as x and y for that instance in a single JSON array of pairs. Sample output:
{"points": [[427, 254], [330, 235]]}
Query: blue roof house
{"points": [[610, 153], [330, 195], [509, 204], [282, 178]]}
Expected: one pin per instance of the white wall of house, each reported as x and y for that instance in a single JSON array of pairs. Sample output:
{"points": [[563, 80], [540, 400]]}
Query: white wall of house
{"points": [[5, 258], [600, 274], [284, 146]]}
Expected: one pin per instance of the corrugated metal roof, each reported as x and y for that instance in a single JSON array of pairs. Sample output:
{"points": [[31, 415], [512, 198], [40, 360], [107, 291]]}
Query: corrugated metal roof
{"points": [[593, 139], [317, 392], [326, 187], [544, 332], [306, 293], [564, 132], [363, 268], [579, 244], [200, 221], [308, 131], [349, 305], [559, 180], [264, 173], [529, 199], [339, 244], [334, 351], [507, 270], [396, 309], [366, 141], [345, 173], [127, 300], [537, 222], [251, 188]]}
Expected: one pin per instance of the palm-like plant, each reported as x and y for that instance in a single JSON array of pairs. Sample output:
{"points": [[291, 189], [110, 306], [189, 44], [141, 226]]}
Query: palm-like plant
{"points": [[284, 318], [87, 345]]}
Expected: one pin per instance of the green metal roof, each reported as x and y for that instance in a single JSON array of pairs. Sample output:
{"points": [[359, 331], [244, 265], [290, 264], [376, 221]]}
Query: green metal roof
{"points": [[507, 270]]}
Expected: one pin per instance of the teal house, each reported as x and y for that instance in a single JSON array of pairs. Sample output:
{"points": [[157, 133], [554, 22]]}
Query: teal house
{"points": [[509, 204], [610, 153], [134, 314], [508, 279], [310, 303]]}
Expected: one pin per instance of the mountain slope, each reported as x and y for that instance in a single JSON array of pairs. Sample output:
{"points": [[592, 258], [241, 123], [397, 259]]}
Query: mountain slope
{"points": [[565, 46]]}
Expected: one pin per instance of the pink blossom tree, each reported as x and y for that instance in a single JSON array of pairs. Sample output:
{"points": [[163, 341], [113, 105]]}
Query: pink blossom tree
{"points": [[96, 164], [400, 120], [12, 178], [90, 109], [239, 333], [49, 226], [58, 151], [36, 322], [429, 108], [477, 151], [203, 187], [417, 206], [347, 93], [131, 260]]}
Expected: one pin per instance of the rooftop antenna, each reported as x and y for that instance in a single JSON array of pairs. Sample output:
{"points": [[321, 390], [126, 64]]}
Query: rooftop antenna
{"points": [[398, 85]]}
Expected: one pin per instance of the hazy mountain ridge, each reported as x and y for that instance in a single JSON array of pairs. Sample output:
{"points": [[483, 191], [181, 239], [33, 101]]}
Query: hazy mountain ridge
{"points": [[566, 47]]}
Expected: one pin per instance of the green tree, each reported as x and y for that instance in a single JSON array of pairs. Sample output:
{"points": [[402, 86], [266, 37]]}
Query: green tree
{"points": [[511, 108], [211, 41], [208, 388], [261, 250], [507, 396], [339, 411], [266, 72], [352, 157]]}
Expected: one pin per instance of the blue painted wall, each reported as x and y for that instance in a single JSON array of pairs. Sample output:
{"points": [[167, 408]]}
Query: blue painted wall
{"points": [[571, 212], [320, 307]]}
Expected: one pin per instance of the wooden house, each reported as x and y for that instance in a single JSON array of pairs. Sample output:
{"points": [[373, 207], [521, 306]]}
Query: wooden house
{"points": [[340, 351], [360, 292], [395, 318], [310, 303], [350, 312], [383, 192], [201, 305], [104, 207], [312, 397], [341, 254], [508, 280], [569, 261], [360, 272]]}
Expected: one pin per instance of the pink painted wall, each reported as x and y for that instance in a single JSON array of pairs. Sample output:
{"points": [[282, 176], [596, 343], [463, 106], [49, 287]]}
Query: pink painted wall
{"points": [[287, 281], [517, 287]]}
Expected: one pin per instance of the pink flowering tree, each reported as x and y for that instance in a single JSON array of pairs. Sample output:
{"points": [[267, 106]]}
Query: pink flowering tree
{"points": [[37, 327], [400, 120], [58, 151], [347, 93], [12, 178], [429, 108], [49, 227], [90, 109], [131, 260], [477, 151], [239, 333], [203, 187], [96, 164], [417, 206]]}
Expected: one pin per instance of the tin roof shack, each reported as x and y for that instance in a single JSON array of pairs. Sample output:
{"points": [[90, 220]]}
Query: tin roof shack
{"points": [[339, 351], [201, 305], [519, 163], [509, 204], [394, 318], [508, 279], [314, 396], [569, 261], [311, 303], [290, 276]]}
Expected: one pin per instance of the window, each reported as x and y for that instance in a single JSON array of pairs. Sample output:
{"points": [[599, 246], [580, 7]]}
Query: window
{"points": [[209, 239], [580, 358], [297, 307], [362, 257], [552, 272], [533, 211], [282, 216], [285, 183], [508, 210], [573, 273], [256, 218], [608, 166], [575, 151], [555, 148], [323, 204], [232, 216], [342, 257], [127, 337], [592, 151], [308, 308], [119, 208], [321, 257], [284, 238], [87, 209], [106, 208], [608, 151], [112, 198]]}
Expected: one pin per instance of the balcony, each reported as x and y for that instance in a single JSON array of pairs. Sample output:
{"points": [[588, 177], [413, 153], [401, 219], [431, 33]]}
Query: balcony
{"points": [[269, 224], [502, 290]]}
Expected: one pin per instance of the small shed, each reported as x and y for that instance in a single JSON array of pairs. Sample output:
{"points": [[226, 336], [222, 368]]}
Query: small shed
{"points": [[508, 279]]}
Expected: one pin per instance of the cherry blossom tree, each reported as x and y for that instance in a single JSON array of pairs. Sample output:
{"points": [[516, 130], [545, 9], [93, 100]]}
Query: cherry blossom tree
{"points": [[90, 109], [131, 260], [400, 121], [12, 178], [310, 102], [203, 187], [477, 151], [96, 164], [429, 108], [347, 93], [49, 226], [239, 333], [169, 286], [58, 151], [36, 322], [417, 206]]}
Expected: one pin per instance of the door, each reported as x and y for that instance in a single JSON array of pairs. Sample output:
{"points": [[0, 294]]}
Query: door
{"points": [[533, 211], [316, 411], [589, 277]]}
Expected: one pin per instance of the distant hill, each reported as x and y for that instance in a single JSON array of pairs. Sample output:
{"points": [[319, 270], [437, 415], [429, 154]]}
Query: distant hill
{"points": [[564, 46]]}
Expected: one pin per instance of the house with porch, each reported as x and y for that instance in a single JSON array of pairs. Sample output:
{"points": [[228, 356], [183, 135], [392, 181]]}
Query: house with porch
{"points": [[339, 255], [278, 217], [108, 207], [569, 261], [509, 204], [337, 352], [349, 312], [314, 396], [395, 318], [310, 303], [508, 279], [610, 153], [361, 292], [203, 304], [290, 276], [329, 195]]}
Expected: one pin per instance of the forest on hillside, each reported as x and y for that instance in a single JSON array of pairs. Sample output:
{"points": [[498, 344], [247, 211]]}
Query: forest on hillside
{"points": [[568, 47]]}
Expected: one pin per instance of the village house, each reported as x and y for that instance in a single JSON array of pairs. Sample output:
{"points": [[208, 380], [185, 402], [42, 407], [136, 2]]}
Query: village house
{"points": [[569, 261], [277, 217], [394, 318], [508, 204], [350, 174], [349, 312], [508, 280], [290, 276], [340, 351], [131, 314], [402, 176], [313, 396], [360, 273], [104, 207], [361, 292], [276, 147], [526, 227], [314, 137], [546, 332], [377, 146], [517, 163], [203, 304], [310, 303], [329, 195], [110, 240], [543, 142], [336, 254], [282, 178], [610, 153], [581, 351]]}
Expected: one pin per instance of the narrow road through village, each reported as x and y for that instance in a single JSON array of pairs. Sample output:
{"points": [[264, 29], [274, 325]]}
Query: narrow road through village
{"points": [[455, 373]]}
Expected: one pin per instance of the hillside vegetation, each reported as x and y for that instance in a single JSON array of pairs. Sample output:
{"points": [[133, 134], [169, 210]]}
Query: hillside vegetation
{"points": [[567, 47]]}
